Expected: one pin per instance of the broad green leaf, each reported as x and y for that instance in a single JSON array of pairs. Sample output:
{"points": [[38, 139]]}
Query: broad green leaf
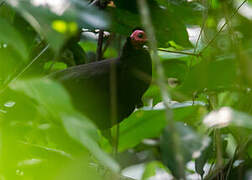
{"points": [[188, 11], [140, 125], [83, 131], [6, 12], [9, 36], [124, 21], [55, 66], [151, 169], [58, 21], [149, 123], [54, 98], [190, 146], [210, 75], [50, 95], [175, 69], [189, 112], [79, 169]]}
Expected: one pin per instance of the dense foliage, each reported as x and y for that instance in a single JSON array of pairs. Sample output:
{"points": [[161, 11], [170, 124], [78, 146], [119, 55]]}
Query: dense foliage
{"points": [[202, 130]]}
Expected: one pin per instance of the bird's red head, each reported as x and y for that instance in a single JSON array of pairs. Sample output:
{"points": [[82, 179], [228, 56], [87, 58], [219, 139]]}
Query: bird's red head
{"points": [[138, 38]]}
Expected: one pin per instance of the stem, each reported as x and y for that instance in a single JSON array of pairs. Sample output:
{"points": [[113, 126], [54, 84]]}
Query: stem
{"points": [[219, 157], [111, 37], [25, 68], [99, 45], [204, 16], [180, 52], [146, 20], [217, 133], [223, 26]]}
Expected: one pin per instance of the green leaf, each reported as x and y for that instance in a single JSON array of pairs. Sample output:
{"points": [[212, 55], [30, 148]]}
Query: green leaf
{"points": [[80, 129], [6, 12], [189, 112], [175, 69], [50, 95], [9, 36], [151, 169], [188, 11], [205, 155], [190, 146], [124, 21], [210, 75], [54, 98], [57, 21], [55, 66], [140, 125]]}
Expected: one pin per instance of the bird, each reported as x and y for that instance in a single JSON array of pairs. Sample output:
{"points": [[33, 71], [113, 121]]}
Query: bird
{"points": [[98, 87]]}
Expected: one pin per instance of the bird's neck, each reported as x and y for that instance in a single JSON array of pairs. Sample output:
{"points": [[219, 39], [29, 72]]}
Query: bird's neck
{"points": [[130, 54], [128, 48]]}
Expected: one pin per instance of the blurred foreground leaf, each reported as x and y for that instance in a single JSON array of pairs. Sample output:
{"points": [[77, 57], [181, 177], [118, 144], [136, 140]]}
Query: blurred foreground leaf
{"points": [[191, 145], [9, 36], [57, 20], [54, 98]]}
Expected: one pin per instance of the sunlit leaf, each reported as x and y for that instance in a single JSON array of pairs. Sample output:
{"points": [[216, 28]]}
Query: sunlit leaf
{"points": [[9, 36], [59, 105], [140, 125], [82, 132]]}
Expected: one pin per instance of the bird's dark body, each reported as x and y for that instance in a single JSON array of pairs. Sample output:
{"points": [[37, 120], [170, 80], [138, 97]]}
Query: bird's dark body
{"points": [[90, 85]]}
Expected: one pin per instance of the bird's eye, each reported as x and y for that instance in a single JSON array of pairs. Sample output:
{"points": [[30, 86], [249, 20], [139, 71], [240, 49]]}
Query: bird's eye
{"points": [[140, 35]]}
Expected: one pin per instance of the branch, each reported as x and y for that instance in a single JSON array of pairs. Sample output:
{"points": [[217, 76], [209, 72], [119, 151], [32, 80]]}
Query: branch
{"points": [[99, 46], [202, 27], [102, 4], [111, 37], [223, 26], [204, 16], [25, 68], [180, 52]]}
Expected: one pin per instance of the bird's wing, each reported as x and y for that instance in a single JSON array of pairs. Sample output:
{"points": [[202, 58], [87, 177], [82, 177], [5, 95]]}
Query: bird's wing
{"points": [[89, 86], [85, 71]]}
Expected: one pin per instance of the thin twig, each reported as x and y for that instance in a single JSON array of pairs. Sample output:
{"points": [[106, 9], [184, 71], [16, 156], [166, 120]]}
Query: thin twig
{"points": [[239, 150], [219, 153], [223, 26], [88, 30], [204, 15], [111, 37], [24, 69], [99, 45], [231, 163], [146, 20], [57, 151], [180, 52]]}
